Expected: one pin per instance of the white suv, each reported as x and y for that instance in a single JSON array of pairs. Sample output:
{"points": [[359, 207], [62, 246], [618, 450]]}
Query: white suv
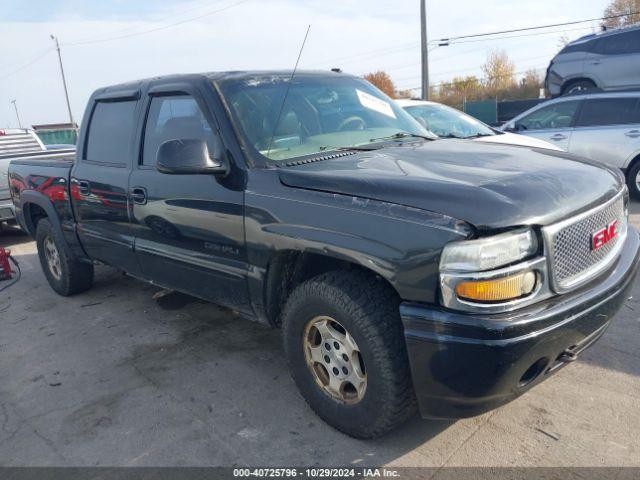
{"points": [[604, 127]]}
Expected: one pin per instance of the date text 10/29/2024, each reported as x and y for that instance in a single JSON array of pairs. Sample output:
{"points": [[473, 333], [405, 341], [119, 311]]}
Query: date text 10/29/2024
{"points": [[315, 473]]}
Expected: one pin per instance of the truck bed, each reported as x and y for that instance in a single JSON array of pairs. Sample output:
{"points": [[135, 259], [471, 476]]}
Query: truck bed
{"points": [[55, 159]]}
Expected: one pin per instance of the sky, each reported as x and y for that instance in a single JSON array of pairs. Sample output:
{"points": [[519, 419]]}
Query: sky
{"points": [[103, 42]]}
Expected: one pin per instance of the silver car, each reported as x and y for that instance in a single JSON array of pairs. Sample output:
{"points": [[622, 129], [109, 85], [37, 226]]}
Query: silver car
{"points": [[609, 61], [604, 127]]}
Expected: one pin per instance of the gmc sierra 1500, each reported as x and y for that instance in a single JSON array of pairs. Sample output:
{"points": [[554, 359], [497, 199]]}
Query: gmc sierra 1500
{"points": [[405, 272]]}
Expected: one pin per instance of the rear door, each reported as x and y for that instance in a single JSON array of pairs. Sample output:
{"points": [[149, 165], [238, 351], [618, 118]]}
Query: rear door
{"points": [[99, 181], [607, 129], [615, 60], [553, 123], [189, 229]]}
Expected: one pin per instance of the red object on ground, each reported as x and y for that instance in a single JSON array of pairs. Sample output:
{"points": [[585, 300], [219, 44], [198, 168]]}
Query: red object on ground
{"points": [[5, 268]]}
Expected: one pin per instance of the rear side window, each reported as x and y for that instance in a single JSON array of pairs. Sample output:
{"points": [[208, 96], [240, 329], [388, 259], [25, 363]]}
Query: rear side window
{"points": [[173, 118], [619, 44], [110, 132], [557, 115], [609, 111]]}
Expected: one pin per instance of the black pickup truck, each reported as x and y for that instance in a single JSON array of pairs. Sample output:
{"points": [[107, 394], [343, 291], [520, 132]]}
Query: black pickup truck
{"points": [[406, 272]]}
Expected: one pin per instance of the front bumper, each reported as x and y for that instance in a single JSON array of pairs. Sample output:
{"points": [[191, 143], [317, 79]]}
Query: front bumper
{"points": [[7, 210], [463, 365]]}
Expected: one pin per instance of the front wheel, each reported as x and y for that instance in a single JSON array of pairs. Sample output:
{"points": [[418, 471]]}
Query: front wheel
{"points": [[578, 86], [344, 342]]}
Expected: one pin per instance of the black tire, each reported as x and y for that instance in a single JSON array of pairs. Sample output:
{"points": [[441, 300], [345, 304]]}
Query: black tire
{"points": [[368, 310], [633, 177], [72, 276], [578, 85]]}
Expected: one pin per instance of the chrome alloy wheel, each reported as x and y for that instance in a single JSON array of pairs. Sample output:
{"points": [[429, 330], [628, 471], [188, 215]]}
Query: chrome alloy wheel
{"points": [[53, 257], [334, 359], [638, 181]]}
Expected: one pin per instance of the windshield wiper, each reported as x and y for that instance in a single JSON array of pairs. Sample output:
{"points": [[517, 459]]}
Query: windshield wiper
{"points": [[363, 148], [400, 135], [450, 135], [478, 135]]}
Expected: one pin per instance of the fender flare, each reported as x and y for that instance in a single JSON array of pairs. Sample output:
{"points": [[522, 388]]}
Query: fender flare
{"points": [[31, 197]]}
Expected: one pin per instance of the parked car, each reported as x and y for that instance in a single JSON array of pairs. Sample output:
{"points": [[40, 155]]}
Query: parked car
{"points": [[608, 61], [447, 122], [604, 127], [404, 271], [16, 143]]}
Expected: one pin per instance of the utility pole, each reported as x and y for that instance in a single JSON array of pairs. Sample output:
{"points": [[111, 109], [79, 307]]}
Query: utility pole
{"points": [[64, 80], [17, 115], [425, 51]]}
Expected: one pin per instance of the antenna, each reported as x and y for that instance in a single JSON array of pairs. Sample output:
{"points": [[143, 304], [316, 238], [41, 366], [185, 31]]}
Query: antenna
{"points": [[286, 93]]}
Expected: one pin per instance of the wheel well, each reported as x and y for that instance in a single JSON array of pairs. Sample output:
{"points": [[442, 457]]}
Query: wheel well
{"points": [[288, 269], [568, 83], [32, 215]]}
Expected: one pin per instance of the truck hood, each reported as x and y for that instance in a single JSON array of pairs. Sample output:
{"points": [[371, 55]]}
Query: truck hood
{"points": [[489, 186]]}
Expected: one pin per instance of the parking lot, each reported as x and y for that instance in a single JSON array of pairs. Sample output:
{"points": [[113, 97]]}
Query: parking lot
{"points": [[115, 377]]}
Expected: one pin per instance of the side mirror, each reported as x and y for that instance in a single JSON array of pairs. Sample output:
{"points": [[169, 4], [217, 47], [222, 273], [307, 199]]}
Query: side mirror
{"points": [[510, 128], [188, 156]]}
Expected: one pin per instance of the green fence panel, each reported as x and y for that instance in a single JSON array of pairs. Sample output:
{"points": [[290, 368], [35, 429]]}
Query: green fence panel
{"points": [[484, 110], [64, 137]]}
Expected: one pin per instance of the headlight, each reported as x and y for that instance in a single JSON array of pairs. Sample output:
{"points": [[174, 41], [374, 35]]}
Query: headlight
{"points": [[493, 274], [488, 253]]}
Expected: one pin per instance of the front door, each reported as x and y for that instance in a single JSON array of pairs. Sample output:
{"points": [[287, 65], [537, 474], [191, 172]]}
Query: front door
{"points": [[189, 229], [552, 123]]}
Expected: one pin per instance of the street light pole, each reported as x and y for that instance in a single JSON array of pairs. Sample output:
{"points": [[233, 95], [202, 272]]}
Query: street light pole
{"points": [[425, 51], [15, 106], [64, 80]]}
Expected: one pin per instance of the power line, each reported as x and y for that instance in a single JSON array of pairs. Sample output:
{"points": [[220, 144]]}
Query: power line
{"points": [[156, 29], [127, 29], [538, 27], [28, 64]]}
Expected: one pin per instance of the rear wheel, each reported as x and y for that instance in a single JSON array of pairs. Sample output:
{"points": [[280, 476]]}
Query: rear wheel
{"points": [[633, 180], [65, 274], [578, 86], [344, 342]]}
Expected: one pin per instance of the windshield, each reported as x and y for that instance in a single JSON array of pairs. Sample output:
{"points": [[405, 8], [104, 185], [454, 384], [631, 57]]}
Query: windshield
{"points": [[320, 113], [447, 122]]}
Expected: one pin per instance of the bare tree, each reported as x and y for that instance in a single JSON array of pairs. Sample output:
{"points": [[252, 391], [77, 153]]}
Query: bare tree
{"points": [[499, 72], [627, 8], [382, 80]]}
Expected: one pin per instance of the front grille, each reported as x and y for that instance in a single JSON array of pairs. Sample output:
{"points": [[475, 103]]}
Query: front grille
{"points": [[573, 260]]}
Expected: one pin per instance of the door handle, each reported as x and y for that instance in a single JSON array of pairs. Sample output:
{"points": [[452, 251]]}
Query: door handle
{"points": [[84, 187], [557, 137], [139, 195], [633, 133], [595, 62]]}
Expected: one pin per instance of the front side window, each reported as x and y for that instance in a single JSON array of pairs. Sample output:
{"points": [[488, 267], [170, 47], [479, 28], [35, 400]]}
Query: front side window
{"points": [[447, 122], [174, 118], [609, 111], [110, 130], [557, 115], [319, 113]]}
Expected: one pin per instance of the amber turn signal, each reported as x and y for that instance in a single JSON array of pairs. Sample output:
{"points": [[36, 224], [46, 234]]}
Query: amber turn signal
{"points": [[498, 289]]}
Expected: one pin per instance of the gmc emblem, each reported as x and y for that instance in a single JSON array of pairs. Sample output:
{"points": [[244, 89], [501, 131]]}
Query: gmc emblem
{"points": [[600, 238]]}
